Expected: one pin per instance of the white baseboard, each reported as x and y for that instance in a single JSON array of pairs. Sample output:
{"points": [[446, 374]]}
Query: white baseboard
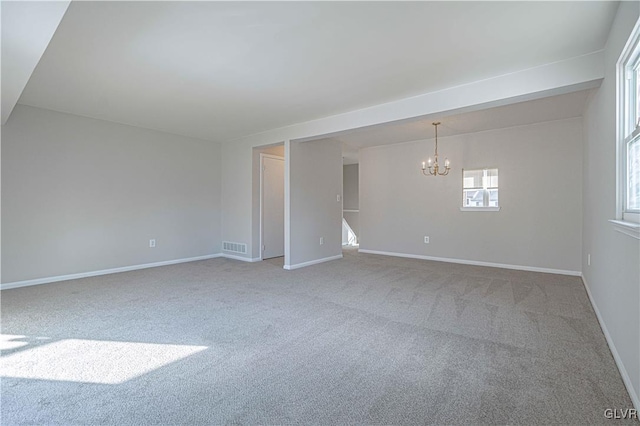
{"points": [[48, 280], [312, 262], [475, 262], [244, 259], [623, 371]]}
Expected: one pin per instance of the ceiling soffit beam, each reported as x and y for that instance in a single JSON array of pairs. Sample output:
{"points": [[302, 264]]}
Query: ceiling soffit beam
{"points": [[27, 29], [570, 75]]}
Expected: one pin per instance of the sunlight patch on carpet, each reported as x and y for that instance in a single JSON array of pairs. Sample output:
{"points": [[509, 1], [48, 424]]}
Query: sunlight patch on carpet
{"points": [[11, 341], [92, 361]]}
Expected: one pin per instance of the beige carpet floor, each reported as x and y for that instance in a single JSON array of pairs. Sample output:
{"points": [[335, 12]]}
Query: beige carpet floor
{"points": [[363, 340]]}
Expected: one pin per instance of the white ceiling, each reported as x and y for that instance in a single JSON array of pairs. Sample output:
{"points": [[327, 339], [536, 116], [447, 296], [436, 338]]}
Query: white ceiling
{"points": [[223, 70], [27, 28], [519, 114]]}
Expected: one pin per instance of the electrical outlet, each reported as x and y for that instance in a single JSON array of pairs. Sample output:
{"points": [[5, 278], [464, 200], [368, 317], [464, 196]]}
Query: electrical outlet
{"points": [[426, 239], [321, 240], [152, 243], [589, 260]]}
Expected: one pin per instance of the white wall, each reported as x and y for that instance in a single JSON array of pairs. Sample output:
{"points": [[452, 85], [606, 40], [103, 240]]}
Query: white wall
{"points": [[315, 182], [539, 224], [237, 195], [81, 195], [614, 275]]}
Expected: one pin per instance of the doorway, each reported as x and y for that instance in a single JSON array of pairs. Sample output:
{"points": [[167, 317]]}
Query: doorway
{"points": [[271, 206], [350, 205]]}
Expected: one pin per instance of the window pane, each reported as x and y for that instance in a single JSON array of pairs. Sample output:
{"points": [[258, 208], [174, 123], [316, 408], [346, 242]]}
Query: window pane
{"points": [[629, 143], [480, 188], [472, 178], [633, 175], [473, 198], [636, 82], [493, 197], [492, 178]]}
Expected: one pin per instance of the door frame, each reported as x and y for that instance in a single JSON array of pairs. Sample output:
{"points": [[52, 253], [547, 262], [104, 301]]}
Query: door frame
{"points": [[262, 157]]}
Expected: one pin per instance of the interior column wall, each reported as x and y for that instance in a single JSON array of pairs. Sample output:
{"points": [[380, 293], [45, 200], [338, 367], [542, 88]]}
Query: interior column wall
{"points": [[315, 182]]}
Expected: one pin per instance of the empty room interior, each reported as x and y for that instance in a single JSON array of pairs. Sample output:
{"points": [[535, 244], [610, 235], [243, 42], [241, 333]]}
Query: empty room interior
{"points": [[320, 212]]}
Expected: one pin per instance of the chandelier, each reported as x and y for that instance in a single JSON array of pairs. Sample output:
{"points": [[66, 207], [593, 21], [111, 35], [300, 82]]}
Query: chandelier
{"points": [[434, 167]]}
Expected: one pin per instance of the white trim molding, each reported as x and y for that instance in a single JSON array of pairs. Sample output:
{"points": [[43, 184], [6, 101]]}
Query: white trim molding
{"points": [[628, 228], [616, 357], [475, 263], [244, 259], [59, 278], [311, 262]]}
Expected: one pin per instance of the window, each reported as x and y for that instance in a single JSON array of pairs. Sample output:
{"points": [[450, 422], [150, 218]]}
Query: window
{"points": [[629, 130], [480, 190]]}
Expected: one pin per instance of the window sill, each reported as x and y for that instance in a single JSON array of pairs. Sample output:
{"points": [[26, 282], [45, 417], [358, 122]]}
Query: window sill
{"points": [[479, 209], [628, 228]]}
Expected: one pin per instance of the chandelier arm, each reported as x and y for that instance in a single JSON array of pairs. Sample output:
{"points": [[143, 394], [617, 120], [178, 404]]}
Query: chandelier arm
{"points": [[429, 172]]}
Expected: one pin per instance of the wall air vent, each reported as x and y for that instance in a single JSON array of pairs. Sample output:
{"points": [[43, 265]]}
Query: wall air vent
{"points": [[234, 247]]}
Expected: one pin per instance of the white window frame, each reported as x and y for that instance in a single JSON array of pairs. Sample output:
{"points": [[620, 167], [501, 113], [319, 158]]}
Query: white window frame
{"points": [[628, 129], [486, 208]]}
